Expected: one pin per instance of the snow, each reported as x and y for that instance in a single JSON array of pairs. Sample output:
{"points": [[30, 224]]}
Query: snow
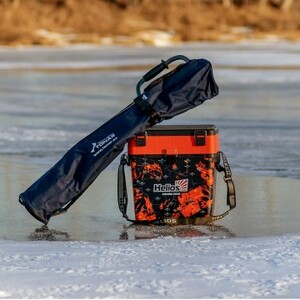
{"points": [[165, 267]]}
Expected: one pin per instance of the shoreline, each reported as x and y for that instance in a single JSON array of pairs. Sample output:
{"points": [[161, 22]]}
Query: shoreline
{"points": [[83, 46], [264, 40], [137, 22]]}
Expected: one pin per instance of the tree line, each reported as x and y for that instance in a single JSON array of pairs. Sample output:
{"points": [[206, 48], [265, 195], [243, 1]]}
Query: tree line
{"points": [[284, 5]]}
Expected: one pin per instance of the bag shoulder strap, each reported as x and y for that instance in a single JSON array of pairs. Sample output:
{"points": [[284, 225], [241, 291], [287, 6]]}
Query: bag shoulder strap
{"points": [[231, 196], [122, 192]]}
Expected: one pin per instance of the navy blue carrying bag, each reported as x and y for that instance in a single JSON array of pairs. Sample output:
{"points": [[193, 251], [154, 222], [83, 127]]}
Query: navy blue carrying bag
{"points": [[183, 88]]}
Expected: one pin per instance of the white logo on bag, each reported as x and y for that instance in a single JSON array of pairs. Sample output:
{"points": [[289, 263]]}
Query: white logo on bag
{"points": [[179, 186], [103, 144]]}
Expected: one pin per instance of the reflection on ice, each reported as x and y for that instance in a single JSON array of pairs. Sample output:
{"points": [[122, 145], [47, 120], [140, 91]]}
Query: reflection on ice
{"points": [[46, 234], [264, 204], [138, 232]]}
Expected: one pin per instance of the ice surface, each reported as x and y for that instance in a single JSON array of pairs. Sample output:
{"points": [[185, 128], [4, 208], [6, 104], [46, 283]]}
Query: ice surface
{"points": [[51, 98]]}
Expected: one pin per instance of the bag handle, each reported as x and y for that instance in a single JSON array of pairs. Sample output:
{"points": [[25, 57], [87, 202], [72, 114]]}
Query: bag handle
{"points": [[158, 69], [231, 197]]}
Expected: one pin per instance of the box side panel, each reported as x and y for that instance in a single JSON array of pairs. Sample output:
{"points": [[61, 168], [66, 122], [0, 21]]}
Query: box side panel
{"points": [[173, 187]]}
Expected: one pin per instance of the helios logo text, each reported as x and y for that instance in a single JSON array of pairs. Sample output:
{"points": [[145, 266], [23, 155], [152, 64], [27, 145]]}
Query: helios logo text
{"points": [[178, 187]]}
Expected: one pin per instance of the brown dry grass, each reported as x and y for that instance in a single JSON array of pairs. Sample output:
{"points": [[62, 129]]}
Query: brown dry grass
{"points": [[92, 20]]}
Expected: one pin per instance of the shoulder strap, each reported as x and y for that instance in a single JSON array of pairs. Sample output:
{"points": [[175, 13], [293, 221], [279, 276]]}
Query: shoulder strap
{"points": [[123, 195], [231, 197], [122, 189]]}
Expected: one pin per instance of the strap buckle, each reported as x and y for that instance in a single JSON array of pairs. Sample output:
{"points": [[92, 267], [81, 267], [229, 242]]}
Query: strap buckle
{"points": [[227, 178]]}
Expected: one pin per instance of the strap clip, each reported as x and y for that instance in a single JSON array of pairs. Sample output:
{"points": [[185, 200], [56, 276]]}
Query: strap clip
{"points": [[141, 102]]}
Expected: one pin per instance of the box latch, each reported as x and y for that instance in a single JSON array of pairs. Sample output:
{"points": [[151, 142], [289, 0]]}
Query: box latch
{"points": [[200, 137], [170, 152], [170, 155], [140, 140]]}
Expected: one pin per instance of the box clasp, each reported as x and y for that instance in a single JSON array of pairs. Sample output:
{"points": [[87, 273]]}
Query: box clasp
{"points": [[140, 140], [200, 137], [170, 152]]}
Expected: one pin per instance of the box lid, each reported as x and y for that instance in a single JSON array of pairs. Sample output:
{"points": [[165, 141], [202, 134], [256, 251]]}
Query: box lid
{"points": [[176, 140], [174, 130]]}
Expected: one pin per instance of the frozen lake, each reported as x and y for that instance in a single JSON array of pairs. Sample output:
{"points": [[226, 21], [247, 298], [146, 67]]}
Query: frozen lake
{"points": [[51, 98]]}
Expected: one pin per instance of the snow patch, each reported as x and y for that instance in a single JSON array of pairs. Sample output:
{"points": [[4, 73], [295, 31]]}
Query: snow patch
{"points": [[198, 267]]}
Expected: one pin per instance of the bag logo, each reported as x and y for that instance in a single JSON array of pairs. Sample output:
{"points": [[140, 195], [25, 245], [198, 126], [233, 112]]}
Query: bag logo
{"points": [[178, 187], [103, 144]]}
